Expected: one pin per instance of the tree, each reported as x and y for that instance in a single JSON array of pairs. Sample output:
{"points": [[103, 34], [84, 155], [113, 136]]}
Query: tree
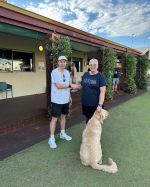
{"points": [[60, 45]]}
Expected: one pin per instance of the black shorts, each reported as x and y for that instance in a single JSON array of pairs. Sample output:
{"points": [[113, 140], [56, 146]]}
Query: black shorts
{"points": [[58, 109], [88, 111]]}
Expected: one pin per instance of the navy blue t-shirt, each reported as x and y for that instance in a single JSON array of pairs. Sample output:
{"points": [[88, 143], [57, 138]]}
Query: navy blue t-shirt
{"points": [[91, 88], [116, 73]]}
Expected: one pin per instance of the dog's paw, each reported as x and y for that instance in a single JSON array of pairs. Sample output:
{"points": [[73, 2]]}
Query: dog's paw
{"points": [[110, 161]]}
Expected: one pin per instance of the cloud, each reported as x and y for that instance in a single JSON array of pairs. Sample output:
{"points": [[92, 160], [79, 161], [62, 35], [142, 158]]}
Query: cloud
{"points": [[113, 17], [50, 10]]}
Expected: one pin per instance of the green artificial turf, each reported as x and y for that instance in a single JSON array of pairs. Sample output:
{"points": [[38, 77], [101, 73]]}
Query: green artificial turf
{"points": [[125, 138]]}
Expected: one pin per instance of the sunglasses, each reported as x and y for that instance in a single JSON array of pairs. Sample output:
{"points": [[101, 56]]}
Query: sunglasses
{"points": [[64, 78]]}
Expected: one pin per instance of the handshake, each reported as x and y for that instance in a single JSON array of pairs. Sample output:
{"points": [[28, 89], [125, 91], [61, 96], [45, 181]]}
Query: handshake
{"points": [[75, 86]]}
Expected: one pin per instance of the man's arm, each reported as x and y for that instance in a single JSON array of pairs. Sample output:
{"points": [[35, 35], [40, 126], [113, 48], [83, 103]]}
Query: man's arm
{"points": [[62, 85], [55, 80]]}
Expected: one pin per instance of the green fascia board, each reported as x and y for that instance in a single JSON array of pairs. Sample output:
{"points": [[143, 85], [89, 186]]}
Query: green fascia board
{"points": [[83, 47], [11, 29]]}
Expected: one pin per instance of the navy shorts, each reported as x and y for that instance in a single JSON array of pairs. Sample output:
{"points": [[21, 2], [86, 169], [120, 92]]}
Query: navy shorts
{"points": [[58, 109]]}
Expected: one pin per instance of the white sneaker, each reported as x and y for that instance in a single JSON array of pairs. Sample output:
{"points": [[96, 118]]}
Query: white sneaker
{"points": [[52, 143], [65, 136]]}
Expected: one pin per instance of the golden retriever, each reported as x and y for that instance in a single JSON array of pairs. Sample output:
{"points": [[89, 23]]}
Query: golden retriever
{"points": [[90, 150]]}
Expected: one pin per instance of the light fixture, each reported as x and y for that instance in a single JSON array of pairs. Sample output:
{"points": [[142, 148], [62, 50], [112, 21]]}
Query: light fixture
{"points": [[40, 48]]}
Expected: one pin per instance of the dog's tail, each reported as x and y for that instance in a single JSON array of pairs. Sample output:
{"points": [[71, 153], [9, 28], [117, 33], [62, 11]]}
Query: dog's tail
{"points": [[110, 168]]}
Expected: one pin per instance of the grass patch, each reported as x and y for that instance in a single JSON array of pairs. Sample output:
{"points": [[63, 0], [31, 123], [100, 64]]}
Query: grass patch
{"points": [[125, 138]]}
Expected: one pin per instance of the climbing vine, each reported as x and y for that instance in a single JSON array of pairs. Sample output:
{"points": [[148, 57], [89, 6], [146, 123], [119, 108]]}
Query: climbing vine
{"points": [[143, 65], [109, 61], [130, 66]]}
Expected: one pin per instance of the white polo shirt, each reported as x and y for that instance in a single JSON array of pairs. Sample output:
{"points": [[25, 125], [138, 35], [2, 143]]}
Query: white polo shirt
{"points": [[60, 96]]}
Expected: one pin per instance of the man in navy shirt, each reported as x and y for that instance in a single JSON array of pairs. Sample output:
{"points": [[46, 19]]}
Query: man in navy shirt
{"points": [[115, 80]]}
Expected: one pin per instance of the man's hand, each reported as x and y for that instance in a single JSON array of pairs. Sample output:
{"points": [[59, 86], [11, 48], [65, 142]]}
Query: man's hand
{"points": [[75, 86]]}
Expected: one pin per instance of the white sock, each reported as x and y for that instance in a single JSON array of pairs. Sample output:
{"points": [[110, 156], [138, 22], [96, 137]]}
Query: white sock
{"points": [[52, 137], [62, 131]]}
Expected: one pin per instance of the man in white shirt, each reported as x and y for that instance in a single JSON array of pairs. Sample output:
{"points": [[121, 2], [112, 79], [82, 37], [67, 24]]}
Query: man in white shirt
{"points": [[60, 96]]}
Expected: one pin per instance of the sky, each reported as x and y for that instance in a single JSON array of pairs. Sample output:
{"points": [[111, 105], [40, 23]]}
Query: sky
{"points": [[123, 21]]}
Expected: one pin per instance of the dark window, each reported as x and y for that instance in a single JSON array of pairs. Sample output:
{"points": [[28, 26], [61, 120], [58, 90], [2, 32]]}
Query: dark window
{"points": [[78, 64], [15, 61], [22, 61], [5, 60]]}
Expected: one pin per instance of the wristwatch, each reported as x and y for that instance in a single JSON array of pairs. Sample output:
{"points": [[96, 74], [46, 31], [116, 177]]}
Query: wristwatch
{"points": [[100, 105]]}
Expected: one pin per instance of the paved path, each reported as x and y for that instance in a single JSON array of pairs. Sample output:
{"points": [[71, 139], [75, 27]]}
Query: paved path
{"points": [[26, 137]]}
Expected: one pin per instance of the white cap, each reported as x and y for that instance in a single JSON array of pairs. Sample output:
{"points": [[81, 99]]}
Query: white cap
{"points": [[62, 58]]}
